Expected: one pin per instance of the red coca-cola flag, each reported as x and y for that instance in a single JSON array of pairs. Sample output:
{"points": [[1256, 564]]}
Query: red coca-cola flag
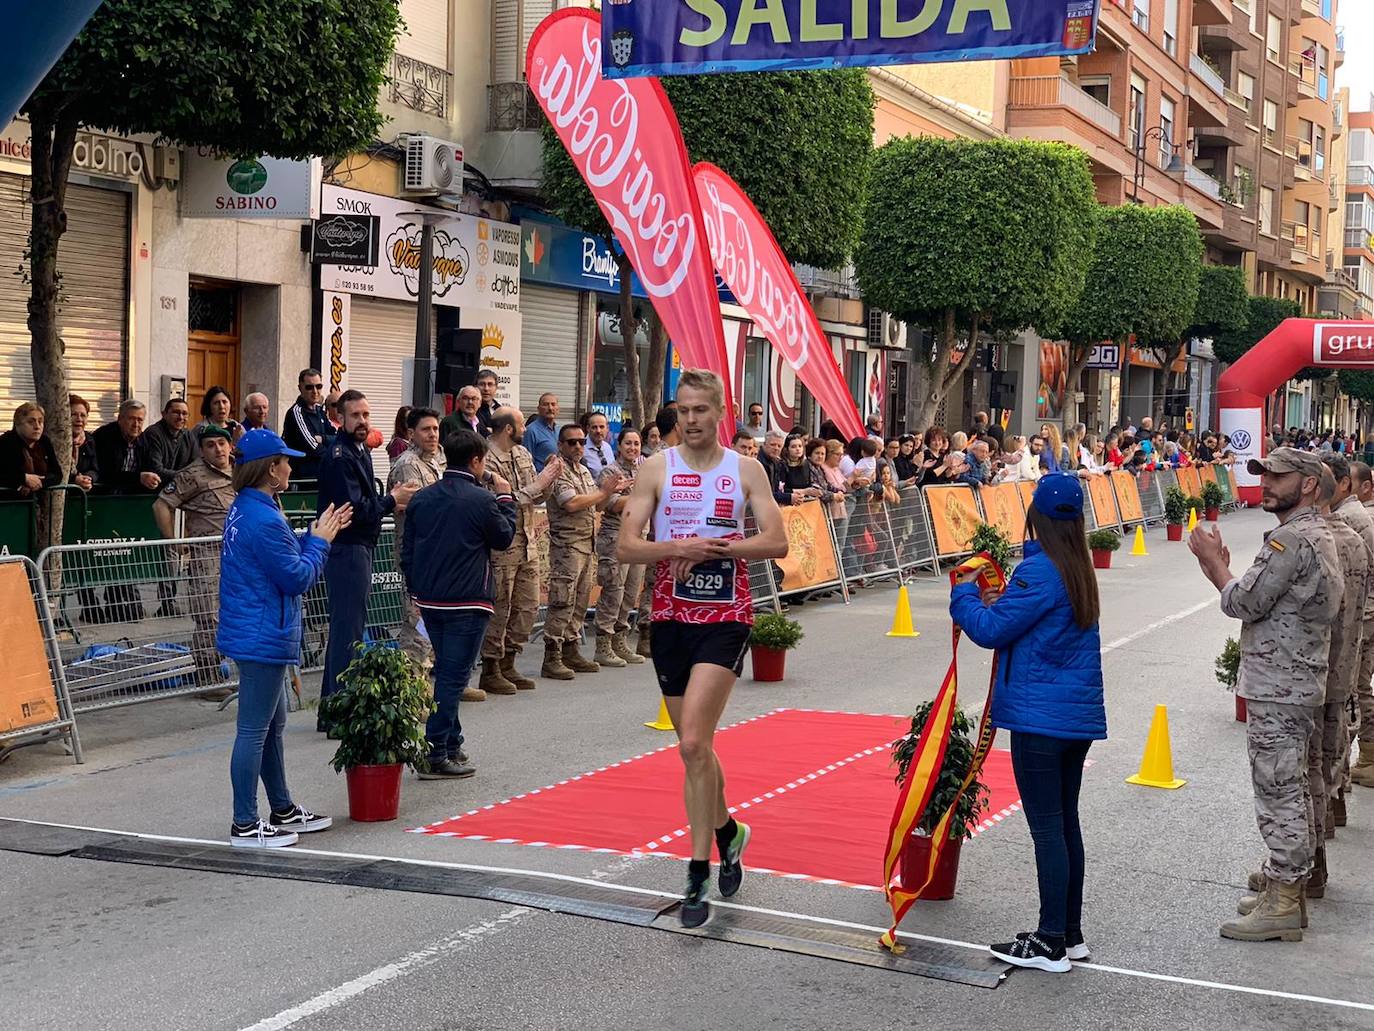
{"points": [[753, 266], [624, 139]]}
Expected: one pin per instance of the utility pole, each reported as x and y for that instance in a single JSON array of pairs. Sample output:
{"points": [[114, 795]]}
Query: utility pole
{"points": [[421, 390]]}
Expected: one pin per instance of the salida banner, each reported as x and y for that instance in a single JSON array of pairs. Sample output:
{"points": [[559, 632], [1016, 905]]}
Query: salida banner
{"points": [[694, 37], [753, 266], [625, 141]]}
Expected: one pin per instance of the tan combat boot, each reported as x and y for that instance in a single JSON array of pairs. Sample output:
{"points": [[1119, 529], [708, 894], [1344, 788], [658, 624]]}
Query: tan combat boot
{"points": [[492, 682], [553, 668], [473, 694], [1277, 917], [642, 646], [1363, 771], [622, 648], [1339, 816], [1247, 905], [572, 658], [508, 670], [605, 654]]}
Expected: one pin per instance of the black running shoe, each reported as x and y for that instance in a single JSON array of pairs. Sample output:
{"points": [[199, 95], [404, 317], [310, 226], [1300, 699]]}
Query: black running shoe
{"points": [[694, 910], [731, 869], [1029, 951], [259, 835], [300, 820]]}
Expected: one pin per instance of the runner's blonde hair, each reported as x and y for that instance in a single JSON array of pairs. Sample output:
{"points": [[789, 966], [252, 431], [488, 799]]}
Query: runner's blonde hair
{"points": [[706, 381]]}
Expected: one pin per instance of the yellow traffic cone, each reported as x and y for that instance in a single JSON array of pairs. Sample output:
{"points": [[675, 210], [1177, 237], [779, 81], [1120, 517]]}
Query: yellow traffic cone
{"points": [[1157, 765], [1192, 519], [1138, 548], [901, 619], [664, 721]]}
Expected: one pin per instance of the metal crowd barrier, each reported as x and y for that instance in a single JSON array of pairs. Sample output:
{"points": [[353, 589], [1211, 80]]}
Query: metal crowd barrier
{"points": [[27, 702]]}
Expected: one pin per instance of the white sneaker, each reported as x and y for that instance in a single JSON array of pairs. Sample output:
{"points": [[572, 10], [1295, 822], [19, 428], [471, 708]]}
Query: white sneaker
{"points": [[1078, 953], [259, 835], [301, 820]]}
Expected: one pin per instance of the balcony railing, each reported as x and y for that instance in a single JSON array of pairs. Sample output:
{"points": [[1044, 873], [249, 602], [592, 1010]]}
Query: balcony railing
{"points": [[1200, 180], [1358, 239], [1312, 7], [1037, 91], [1343, 277], [419, 86], [1211, 78], [511, 107], [1306, 73], [1236, 100], [831, 282], [1360, 175]]}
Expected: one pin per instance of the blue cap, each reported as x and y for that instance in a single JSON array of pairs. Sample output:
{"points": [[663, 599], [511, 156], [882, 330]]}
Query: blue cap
{"points": [[1059, 496], [257, 444]]}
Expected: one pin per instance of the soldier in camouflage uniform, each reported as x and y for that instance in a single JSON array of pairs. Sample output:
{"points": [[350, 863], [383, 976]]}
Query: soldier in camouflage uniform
{"points": [[572, 565], [1362, 707], [423, 464], [1287, 602], [515, 571], [620, 584], [1354, 513]]}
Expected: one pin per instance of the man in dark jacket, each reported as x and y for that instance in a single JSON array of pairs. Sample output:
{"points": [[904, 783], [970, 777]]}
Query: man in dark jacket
{"points": [[166, 446], [306, 427], [116, 449], [452, 528], [346, 478]]}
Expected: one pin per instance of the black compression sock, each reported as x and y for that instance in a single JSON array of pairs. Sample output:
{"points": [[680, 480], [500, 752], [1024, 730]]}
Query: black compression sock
{"points": [[699, 871], [725, 835]]}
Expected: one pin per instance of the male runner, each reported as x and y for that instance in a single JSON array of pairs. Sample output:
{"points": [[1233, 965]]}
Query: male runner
{"points": [[696, 493]]}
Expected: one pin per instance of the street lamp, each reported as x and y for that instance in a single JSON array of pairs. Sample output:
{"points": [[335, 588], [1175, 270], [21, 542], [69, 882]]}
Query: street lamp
{"points": [[420, 390], [1159, 133]]}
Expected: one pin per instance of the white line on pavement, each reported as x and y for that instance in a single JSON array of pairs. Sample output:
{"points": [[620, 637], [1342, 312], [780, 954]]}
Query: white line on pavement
{"points": [[613, 886], [391, 971], [1121, 642]]}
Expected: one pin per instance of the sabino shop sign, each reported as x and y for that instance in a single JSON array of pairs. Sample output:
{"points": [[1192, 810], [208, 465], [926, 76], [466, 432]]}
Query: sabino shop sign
{"points": [[261, 187]]}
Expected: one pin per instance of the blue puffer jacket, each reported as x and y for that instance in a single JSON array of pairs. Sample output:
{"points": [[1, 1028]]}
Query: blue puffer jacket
{"points": [[264, 570], [1049, 680]]}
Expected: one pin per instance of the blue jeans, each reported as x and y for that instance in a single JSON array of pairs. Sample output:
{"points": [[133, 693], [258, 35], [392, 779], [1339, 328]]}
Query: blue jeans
{"points": [[1049, 773], [258, 743], [348, 574], [456, 635]]}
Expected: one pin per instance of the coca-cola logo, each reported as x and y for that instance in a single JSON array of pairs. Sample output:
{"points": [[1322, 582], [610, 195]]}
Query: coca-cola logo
{"points": [[598, 121]]}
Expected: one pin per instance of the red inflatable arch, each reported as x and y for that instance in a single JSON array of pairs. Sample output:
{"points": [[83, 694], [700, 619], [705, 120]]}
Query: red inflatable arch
{"points": [[1295, 345]]}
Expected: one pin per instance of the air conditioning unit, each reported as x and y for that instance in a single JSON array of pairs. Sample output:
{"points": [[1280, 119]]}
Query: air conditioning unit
{"points": [[885, 332], [433, 167]]}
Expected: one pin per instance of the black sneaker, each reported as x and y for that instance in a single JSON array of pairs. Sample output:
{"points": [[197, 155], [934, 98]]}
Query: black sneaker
{"points": [[1029, 951], [461, 758], [731, 869], [259, 835], [694, 910], [300, 820], [447, 770]]}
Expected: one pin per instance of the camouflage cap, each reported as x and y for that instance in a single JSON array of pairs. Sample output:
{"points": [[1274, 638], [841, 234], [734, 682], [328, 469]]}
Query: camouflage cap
{"points": [[1286, 460]]}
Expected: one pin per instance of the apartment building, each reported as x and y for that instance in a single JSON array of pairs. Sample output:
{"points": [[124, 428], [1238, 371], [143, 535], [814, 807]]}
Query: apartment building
{"points": [[1358, 240]]}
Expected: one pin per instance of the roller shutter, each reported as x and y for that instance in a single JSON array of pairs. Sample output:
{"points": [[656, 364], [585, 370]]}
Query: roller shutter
{"points": [[380, 341], [426, 31], [93, 314], [549, 346]]}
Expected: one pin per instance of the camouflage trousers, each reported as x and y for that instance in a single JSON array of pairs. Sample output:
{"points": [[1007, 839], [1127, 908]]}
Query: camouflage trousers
{"points": [[1326, 748], [571, 575], [620, 585], [1364, 694], [515, 603], [203, 588], [411, 640], [1277, 736]]}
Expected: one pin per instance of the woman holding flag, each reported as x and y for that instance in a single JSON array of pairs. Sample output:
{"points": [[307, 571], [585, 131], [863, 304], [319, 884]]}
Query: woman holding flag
{"points": [[1048, 695]]}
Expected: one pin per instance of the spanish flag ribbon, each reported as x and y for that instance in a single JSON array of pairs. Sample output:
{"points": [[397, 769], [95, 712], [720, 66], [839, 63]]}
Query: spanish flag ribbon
{"points": [[926, 762]]}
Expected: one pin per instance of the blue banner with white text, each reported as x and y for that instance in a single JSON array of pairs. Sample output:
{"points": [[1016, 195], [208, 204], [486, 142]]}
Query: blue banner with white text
{"points": [[701, 37]]}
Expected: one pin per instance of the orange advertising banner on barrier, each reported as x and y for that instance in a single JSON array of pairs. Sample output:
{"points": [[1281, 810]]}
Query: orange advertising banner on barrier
{"points": [[1190, 482], [1003, 508], [954, 518], [27, 695], [810, 559], [1208, 473], [1104, 501], [1027, 489], [1128, 497]]}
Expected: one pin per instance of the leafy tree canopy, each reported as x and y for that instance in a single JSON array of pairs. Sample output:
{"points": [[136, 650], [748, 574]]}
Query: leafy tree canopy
{"points": [[289, 78], [1222, 302], [1263, 317], [997, 231], [798, 143], [1357, 383]]}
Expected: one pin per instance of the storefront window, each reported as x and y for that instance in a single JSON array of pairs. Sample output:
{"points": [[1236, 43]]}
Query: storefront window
{"points": [[755, 374], [610, 381]]}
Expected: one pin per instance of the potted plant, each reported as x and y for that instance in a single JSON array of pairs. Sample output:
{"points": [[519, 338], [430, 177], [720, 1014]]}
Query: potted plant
{"points": [[972, 804], [378, 715], [1212, 497], [1102, 543], [1175, 512], [1228, 674], [1195, 505], [995, 542], [773, 636]]}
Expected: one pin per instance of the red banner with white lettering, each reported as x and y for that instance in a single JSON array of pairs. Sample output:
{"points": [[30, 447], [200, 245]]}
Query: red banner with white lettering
{"points": [[748, 258], [623, 137]]}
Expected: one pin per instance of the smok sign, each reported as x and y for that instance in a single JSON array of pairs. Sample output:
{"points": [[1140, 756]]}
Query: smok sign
{"points": [[1343, 343]]}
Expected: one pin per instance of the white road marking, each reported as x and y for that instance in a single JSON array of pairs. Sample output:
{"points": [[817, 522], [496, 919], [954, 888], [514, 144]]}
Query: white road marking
{"points": [[613, 886], [1136, 635], [418, 960]]}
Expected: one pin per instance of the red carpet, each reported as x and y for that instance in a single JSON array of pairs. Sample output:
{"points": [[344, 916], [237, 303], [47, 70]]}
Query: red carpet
{"points": [[816, 787]]}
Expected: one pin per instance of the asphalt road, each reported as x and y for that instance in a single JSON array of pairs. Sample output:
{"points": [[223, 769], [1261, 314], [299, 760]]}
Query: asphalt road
{"points": [[91, 944]]}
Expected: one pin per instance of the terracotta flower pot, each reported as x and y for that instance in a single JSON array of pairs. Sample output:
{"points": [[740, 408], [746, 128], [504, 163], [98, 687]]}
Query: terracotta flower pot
{"points": [[768, 663], [916, 859], [1242, 714], [374, 792], [1175, 531], [1212, 514], [1102, 558]]}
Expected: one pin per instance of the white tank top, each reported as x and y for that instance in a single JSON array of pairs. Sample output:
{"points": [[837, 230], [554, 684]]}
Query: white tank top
{"points": [[702, 504]]}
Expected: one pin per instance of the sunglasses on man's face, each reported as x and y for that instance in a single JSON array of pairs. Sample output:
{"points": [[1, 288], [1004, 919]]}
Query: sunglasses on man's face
{"points": [[313, 387], [579, 441]]}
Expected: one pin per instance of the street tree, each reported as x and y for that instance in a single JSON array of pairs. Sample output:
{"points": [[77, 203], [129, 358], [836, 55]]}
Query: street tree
{"points": [[974, 237], [285, 78], [798, 143], [1359, 384], [1263, 315]]}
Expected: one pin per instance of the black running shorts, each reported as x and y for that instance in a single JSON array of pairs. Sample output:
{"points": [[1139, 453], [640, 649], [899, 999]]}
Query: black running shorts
{"points": [[677, 647]]}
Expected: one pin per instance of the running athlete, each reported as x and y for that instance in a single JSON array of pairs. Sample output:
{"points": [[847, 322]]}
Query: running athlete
{"points": [[696, 494]]}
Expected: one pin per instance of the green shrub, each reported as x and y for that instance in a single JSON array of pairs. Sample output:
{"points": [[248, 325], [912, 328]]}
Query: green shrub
{"points": [[1212, 495], [1228, 664], [1175, 506], [774, 630], [1104, 540], [1195, 503], [378, 714], [958, 759], [995, 542]]}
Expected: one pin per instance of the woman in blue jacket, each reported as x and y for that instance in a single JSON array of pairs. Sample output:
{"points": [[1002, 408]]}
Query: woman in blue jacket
{"points": [[264, 570], [1048, 695]]}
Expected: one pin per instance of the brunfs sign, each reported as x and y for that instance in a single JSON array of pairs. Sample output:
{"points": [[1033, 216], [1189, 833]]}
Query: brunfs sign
{"points": [[255, 187]]}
